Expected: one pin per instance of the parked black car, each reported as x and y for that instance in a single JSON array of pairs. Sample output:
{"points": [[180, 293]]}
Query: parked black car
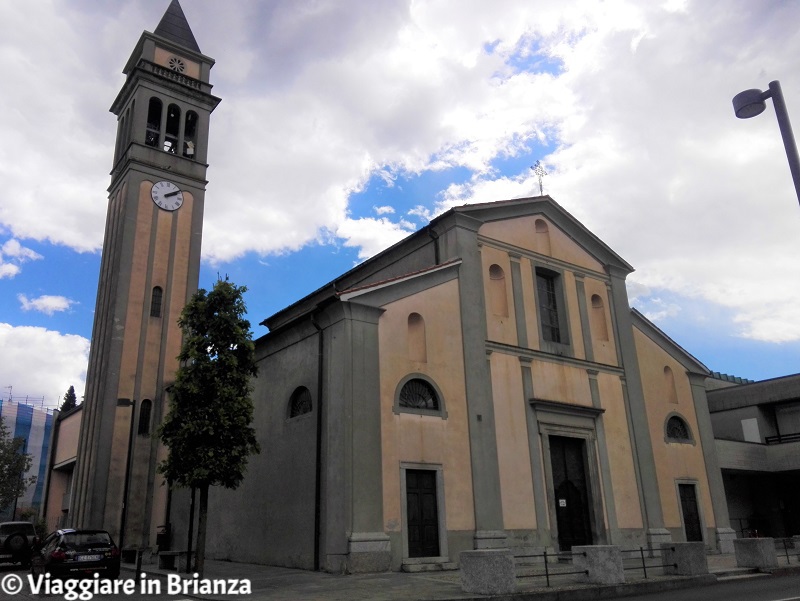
{"points": [[76, 554], [16, 540]]}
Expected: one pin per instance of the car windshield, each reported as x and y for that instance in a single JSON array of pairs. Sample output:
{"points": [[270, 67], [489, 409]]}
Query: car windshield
{"points": [[83, 540]]}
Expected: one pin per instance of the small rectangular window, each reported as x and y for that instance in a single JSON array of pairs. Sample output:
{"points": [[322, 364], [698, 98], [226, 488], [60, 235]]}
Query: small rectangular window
{"points": [[548, 306]]}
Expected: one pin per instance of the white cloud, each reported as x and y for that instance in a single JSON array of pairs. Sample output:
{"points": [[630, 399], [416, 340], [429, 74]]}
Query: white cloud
{"points": [[38, 374], [17, 254], [8, 270], [371, 235], [46, 304], [12, 248], [383, 210], [632, 99], [656, 309]]}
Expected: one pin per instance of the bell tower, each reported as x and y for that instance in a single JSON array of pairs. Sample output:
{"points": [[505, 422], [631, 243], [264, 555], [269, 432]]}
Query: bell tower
{"points": [[149, 270]]}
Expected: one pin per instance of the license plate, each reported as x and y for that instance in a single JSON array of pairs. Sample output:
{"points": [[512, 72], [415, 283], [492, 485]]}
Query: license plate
{"points": [[90, 557]]}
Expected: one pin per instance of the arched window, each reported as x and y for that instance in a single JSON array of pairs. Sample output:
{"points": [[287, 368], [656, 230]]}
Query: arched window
{"points": [[144, 417], [173, 129], [599, 318], [190, 135], [153, 133], [669, 386], [542, 236], [498, 297], [417, 342], [155, 302], [418, 394], [677, 430], [300, 402]]}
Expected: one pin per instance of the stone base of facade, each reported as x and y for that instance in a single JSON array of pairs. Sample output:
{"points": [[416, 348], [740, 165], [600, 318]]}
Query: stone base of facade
{"points": [[725, 538], [656, 536], [369, 552], [490, 539]]}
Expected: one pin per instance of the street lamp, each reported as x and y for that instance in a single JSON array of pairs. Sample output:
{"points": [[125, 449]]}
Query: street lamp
{"points": [[751, 103]]}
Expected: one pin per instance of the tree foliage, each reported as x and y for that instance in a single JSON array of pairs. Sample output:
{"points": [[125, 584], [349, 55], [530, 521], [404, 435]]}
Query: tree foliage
{"points": [[14, 464], [207, 429], [70, 400]]}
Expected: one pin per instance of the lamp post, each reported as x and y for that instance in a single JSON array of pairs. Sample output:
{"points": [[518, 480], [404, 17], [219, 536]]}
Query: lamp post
{"points": [[751, 103]]}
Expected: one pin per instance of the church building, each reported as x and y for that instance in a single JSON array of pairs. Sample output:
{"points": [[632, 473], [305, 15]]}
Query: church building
{"points": [[483, 383]]}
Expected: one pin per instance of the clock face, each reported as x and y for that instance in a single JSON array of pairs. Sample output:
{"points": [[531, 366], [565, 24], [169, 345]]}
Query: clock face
{"points": [[167, 196]]}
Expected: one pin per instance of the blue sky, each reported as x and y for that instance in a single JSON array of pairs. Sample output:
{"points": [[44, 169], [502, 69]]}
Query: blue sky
{"points": [[345, 126]]}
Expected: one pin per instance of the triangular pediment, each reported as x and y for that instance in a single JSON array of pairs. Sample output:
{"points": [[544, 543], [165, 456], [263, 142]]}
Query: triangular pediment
{"points": [[540, 225]]}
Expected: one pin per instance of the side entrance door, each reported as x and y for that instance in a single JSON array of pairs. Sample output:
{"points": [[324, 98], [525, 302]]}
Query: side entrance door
{"points": [[422, 513], [572, 499], [691, 514]]}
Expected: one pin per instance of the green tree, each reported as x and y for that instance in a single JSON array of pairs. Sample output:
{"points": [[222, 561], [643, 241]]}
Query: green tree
{"points": [[70, 400], [14, 464], [207, 429]]}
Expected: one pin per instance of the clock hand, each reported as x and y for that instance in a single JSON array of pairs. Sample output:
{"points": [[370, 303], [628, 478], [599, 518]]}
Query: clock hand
{"points": [[168, 194]]}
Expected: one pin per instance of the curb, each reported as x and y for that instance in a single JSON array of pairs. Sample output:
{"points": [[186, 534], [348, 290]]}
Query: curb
{"points": [[608, 591]]}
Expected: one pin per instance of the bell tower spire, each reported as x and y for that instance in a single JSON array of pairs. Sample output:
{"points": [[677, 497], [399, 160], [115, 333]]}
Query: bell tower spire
{"points": [[175, 28], [149, 270]]}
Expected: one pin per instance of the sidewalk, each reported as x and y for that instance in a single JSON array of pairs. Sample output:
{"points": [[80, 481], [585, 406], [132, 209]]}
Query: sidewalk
{"points": [[278, 584]]}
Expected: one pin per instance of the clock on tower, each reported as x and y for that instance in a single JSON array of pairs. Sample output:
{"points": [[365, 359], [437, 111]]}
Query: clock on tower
{"points": [[149, 270]]}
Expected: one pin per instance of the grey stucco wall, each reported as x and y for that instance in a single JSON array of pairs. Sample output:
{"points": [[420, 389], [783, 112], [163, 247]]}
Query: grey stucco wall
{"points": [[269, 519], [728, 424]]}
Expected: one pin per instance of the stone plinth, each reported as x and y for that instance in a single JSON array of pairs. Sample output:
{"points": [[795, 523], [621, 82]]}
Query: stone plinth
{"points": [[725, 538], [369, 552], [603, 563], [755, 553], [684, 559], [488, 571]]}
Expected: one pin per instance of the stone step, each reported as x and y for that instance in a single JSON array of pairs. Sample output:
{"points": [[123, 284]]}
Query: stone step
{"points": [[439, 566], [741, 576], [736, 573]]}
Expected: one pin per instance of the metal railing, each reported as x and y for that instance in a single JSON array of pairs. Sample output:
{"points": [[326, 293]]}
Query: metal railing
{"points": [[782, 546], [638, 556], [782, 438], [546, 558]]}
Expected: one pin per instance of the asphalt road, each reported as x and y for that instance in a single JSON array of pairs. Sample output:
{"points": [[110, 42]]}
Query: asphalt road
{"points": [[761, 588]]}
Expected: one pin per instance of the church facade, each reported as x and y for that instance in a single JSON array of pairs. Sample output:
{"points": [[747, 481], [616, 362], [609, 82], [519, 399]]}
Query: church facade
{"points": [[483, 383]]}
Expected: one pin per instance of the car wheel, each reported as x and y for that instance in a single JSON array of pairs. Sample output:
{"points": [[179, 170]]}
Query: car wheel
{"points": [[16, 543]]}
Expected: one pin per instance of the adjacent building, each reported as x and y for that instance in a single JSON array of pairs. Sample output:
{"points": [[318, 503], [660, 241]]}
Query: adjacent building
{"points": [[34, 426], [757, 427]]}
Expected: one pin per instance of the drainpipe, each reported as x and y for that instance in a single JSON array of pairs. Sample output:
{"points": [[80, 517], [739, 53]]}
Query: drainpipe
{"points": [[435, 237], [124, 517], [318, 468]]}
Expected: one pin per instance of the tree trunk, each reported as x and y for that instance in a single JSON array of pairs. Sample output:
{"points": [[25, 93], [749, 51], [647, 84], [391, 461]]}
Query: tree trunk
{"points": [[202, 520]]}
